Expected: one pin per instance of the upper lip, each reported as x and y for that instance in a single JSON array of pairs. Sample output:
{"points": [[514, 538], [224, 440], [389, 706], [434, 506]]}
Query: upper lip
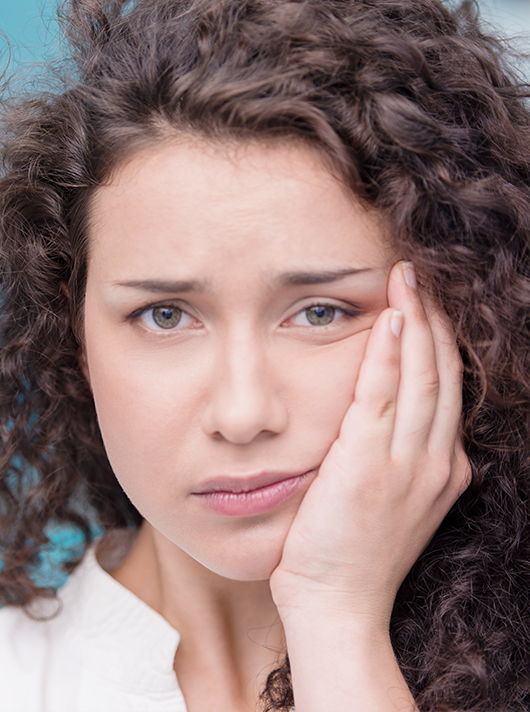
{"points": [[245, 483]]}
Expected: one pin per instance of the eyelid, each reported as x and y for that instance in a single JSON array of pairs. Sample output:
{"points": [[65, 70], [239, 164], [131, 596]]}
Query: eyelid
{"points": [[347, 307]]}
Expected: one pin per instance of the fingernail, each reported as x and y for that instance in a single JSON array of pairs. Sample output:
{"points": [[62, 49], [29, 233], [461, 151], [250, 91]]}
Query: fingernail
{"points": [[410, 274], [396, 323]]}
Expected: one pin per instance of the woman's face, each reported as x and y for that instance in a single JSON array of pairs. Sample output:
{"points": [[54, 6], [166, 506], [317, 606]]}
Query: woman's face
{"points": [[230, 296]]}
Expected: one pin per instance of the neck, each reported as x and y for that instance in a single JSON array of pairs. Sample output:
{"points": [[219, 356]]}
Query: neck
{"points": [[230, 630]]}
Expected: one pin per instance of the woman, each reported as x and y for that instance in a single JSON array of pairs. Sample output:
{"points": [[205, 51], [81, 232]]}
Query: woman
{"points": [[265, 319]]}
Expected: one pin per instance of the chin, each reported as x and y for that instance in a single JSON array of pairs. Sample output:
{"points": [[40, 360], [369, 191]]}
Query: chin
{"points": [[250, 570], [246, 558]]}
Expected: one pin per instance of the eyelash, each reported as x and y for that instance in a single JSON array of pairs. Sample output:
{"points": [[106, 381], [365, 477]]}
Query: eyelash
{"points": [[349, 313]]}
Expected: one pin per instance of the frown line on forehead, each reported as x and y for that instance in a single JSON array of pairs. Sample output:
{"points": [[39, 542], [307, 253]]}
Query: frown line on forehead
{"points": [[287, 279]]}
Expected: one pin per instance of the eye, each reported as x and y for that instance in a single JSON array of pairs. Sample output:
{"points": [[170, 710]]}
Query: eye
{"points": [[318, 315], [165, 317]]}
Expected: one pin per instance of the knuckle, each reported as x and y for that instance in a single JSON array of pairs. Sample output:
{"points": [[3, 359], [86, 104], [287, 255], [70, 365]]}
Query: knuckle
{"points": [[376, 403], [451, 469], [463, 470], [383, 409], [430, 382], [444, 468]]}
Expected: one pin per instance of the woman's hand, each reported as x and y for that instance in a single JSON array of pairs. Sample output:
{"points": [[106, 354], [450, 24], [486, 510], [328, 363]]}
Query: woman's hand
{"points": [[391, 476], [382, 491]]}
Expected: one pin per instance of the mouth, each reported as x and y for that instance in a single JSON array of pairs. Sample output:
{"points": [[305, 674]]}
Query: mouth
{"points": [[251, 494]]}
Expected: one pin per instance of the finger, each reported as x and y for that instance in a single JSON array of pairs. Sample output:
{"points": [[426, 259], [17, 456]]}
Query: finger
{"points": [[419, 381], [450, 464], [446, 423], [371, 415]]}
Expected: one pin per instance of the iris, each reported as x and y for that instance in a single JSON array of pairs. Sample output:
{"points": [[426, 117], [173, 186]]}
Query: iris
{"points": [[167, 317], [320, 315]]}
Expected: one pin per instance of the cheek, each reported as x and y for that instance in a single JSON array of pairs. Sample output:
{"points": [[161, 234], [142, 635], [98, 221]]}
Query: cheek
{"points": [[324, 389], [146, 407]]}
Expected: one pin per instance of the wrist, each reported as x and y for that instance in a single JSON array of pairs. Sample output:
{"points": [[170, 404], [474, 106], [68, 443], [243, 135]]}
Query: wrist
{"points": [[363, 607], [346, 663], [352, 630], [364, 616]]}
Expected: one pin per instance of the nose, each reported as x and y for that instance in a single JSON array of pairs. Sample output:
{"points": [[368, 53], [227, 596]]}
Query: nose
{"points": [[244, 402]]}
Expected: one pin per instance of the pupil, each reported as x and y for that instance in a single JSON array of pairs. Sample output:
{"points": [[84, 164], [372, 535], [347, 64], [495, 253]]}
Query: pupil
{"points": [[166, 317], [320, 316]]}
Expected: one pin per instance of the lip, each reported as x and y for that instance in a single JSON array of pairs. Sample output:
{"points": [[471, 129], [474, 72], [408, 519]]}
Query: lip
{"points": [[250, 494]]}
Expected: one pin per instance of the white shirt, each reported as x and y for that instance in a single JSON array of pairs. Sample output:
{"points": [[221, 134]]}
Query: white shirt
{"points": [[104, 651]]}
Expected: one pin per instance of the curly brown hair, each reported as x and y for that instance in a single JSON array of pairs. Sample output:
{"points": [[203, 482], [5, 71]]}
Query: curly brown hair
{"points": [[414, 106]]}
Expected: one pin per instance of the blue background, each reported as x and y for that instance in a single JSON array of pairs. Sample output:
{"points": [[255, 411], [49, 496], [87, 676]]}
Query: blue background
{"points": [[31, 31], [31, 28]]}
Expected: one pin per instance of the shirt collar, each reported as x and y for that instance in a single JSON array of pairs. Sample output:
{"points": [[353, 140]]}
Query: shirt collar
{"points": [[115, 634]]}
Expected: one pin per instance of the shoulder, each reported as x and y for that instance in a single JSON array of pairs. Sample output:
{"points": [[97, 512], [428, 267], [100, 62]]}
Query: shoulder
{"points": [[43, 650], [96, 647], [23, 634], [39, 667], [27, 647]]}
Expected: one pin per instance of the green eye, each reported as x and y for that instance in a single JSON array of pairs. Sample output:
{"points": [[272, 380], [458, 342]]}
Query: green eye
{"points": [[320, 315], [167, 317]]}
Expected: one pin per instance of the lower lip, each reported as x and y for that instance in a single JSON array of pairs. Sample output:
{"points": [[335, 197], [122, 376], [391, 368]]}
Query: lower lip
{"points": [[258, 501]]}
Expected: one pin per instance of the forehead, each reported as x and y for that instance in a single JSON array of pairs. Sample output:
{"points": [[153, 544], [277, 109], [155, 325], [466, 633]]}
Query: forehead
{"points": [[208, 206]]}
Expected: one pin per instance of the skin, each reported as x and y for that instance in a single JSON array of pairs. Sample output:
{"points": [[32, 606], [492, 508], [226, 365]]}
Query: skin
{"points": [[245, 384]]}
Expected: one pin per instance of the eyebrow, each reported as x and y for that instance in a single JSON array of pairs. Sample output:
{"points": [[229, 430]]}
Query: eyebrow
{"points": [[289, 279], [162, 286], [295, 279]]}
